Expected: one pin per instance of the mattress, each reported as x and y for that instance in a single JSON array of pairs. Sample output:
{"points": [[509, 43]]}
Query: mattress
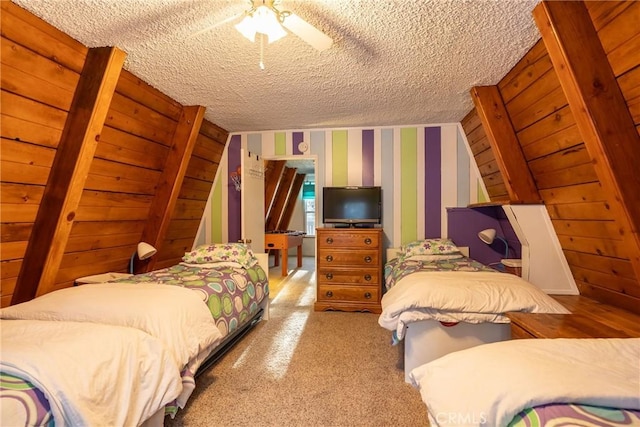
{"points": [[232, 294]]}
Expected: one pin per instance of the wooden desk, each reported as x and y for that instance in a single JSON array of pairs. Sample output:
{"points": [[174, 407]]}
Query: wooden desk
{"points": [[280, 243], [589, 319]]}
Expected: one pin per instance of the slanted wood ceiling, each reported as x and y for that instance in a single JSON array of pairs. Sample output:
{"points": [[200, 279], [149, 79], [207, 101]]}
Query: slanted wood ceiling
{"points": [[582, 166], [75, 204], [282, 187], [94, 160]]}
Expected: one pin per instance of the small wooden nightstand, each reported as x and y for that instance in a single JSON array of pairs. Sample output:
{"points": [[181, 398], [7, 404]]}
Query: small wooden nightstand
{"points": [[101, 278], [512, 266]]}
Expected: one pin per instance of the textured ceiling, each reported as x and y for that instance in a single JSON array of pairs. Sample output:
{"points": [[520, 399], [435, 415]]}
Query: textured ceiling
{"points": [[393, 62]]}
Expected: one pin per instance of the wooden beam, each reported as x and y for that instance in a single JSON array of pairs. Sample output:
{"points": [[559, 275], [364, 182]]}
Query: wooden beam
{"points": [[273, 173], [68, 174], [164, 201], [504, 144], [280, 198], [290, 204], [599, 109]]}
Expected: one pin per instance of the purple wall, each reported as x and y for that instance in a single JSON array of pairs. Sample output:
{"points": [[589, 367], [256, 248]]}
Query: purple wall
{"points": [[233, 197], [367, 157], [432, 182], [464, 224], [296, 139]]}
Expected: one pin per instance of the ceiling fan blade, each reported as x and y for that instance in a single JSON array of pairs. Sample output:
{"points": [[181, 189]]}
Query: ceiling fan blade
{"points": [[216, 25], [307, 32]]}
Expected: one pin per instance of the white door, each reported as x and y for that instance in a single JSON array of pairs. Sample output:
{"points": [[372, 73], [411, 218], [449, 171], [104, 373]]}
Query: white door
{"points": [[252, 200]]}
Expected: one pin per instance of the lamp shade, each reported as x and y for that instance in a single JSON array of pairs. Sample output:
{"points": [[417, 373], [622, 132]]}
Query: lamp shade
{"points": [[265, 21], [247, 28], [145, 250], [488, 235]]}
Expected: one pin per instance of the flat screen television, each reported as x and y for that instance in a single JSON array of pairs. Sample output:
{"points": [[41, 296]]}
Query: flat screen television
{"points": [[352, 206]]}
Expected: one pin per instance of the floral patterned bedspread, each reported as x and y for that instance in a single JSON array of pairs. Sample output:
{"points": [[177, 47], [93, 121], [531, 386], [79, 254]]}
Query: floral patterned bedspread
{"points": [[397, 268]]}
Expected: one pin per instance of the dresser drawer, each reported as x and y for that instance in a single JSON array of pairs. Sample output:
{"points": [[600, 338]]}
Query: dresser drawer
{"points": [[351, 239], [347, 293], [363, 276], [353, 258]]}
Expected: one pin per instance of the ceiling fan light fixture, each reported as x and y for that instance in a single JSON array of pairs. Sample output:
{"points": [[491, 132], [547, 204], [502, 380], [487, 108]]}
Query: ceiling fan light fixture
{"points": [[263, 20], [247, 28]]}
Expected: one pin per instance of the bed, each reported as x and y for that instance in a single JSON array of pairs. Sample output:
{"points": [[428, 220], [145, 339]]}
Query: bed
{"points": [[543, 382], [195, 309], [439, 300], [62, 373]]}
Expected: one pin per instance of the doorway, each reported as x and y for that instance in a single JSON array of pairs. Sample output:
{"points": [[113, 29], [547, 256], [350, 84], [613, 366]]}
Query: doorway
{"points": [[303, 216]]}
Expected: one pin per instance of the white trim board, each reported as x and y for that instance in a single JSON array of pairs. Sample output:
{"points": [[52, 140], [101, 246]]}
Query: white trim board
{"points": [[543, 262]]}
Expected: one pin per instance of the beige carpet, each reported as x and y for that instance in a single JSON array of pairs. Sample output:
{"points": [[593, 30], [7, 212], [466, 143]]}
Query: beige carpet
{"points": [[306, 368]]}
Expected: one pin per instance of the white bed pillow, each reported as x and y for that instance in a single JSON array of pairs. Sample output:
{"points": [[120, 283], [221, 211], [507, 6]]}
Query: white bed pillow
{"points": [[433, 257], [214, 265], [431, 247], [222, 252], [489, 384]]}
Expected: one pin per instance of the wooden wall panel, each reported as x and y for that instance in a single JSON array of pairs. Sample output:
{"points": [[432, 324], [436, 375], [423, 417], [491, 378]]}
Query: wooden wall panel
{"points": [[584, 215], [280, 198], [193, 195], [273, 170], [41, 68], [504, 145], [485, 158], [588, 62], [69, 171], [290, 204]]}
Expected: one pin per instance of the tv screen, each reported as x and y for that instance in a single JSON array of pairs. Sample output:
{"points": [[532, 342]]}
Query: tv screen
{"points": [[352, 205]]}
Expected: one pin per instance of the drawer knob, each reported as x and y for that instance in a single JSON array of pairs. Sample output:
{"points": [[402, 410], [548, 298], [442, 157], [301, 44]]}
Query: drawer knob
{"points": [[367, 277], [329, 240], [329, 294], [329, 258], [329, 276], [367, 241], [367, 259], [367, 295]]}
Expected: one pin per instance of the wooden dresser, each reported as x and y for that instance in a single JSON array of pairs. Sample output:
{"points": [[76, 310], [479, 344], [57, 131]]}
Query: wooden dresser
{"points": [[349, 269]]}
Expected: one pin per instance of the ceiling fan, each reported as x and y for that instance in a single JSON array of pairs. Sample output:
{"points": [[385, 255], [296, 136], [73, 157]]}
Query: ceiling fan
{"points": [[268, 22]]}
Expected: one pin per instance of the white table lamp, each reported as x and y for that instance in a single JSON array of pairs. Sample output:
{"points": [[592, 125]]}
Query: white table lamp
{"points": [[144, 251], [489, 235]]}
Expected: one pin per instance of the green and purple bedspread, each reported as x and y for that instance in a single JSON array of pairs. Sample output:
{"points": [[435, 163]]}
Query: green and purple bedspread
{"points": [[233, 295], [568, 414]]}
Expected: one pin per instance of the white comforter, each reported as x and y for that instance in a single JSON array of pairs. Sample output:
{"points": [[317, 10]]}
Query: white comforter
{"points": [[92, 375], [489, 384], [461, 296], [176, 316]]}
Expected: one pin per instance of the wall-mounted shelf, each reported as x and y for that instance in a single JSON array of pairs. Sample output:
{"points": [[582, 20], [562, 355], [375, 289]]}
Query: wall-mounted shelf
{"points": [[501, 203]]}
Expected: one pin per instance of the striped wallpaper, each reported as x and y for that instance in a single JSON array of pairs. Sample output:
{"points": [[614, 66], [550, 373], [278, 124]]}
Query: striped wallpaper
{"points": [[422, 170]]}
